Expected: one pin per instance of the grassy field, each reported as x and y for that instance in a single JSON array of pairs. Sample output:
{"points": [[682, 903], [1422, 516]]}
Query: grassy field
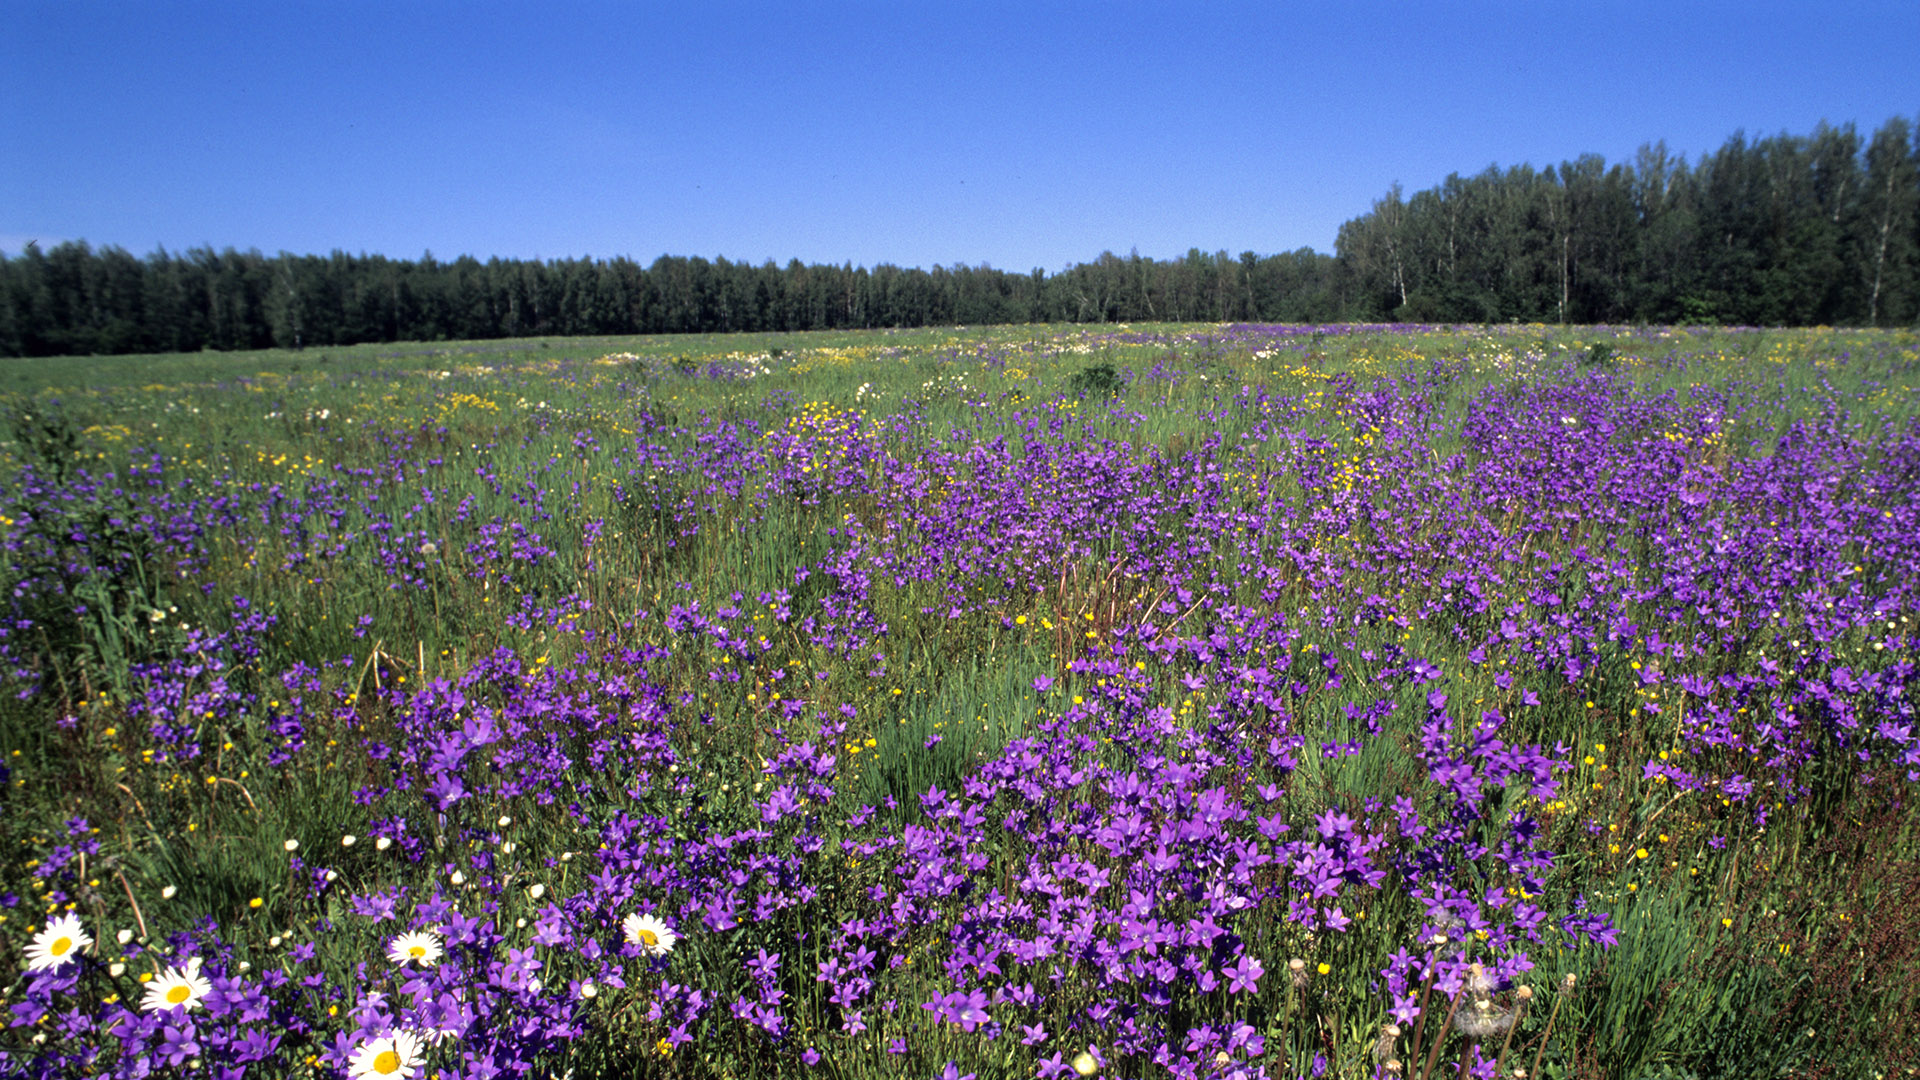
{"points": [[1187, 701]]}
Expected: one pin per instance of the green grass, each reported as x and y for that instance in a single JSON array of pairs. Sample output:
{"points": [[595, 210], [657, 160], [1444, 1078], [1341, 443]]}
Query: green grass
{"points": [[1726, 954]]}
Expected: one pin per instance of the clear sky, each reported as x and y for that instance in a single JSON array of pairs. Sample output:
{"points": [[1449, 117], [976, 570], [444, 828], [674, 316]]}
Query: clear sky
{"points": [[1021, 135]]}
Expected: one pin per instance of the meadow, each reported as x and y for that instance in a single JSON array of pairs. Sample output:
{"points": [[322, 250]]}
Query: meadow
{"points": [[1219, 701]]}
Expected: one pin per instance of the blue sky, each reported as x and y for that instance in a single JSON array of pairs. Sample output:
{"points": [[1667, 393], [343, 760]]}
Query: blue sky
{"points": [[1022, 135]]}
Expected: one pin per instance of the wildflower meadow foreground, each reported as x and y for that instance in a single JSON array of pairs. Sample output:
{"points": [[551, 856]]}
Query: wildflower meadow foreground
{"points": [[1184, 701]]}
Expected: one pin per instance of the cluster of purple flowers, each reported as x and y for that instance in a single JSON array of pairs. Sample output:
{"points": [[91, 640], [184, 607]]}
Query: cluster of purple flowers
{"points": [[1312, 694]]}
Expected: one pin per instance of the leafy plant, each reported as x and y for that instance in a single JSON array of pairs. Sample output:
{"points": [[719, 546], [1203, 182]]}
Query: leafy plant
{"points": [[1097, 381]]}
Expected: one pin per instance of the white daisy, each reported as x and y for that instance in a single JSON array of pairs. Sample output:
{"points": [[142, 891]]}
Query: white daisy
{"points": [[416, 946], [649, 933], [180, 988], [397, 1055], [57, 944]]}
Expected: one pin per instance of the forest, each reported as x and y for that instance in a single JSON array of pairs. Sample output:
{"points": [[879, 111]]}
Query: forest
{"points": [[1785, 230]]}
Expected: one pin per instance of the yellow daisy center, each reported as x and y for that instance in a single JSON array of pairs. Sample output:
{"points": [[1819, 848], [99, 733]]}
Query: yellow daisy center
{"points": [[387, 1062], [177, 994], [417, 951], [61, 946], [649, 938]]}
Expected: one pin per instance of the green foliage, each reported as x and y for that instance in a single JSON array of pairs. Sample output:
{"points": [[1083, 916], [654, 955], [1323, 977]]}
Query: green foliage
{"points": [[1096, 381], [1791, 230], [98, 604], [75, 300], [1820, 910], [44, 436]]}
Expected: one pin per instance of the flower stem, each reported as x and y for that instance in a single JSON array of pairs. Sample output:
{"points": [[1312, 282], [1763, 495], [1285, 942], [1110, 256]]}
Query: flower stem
{"points": [[1519, 1014], [1440, 1040], [1548, 1034], [1420, 1024]]}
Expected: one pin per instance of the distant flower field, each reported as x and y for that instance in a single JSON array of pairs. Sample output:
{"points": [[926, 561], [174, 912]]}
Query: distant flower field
{"points": [[1151, 701]]}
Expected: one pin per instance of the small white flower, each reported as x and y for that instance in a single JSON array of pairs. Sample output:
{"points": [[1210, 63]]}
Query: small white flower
{"points": [[292, 845], [458, 878], [124, 936], [382, 844], [415, 946], [588, 990], [537, 891], [349, 840], [398, 1055], [649, 933], [167, 893], [177, 988], [57, 944]]}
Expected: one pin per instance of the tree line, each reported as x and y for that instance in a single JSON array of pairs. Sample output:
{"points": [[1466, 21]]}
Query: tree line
{"points": [[1787, 230], [74, 299], [1791, 230]]}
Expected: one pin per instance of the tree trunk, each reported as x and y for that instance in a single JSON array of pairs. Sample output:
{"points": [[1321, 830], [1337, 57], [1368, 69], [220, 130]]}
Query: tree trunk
{"points": [[1880, 256]]}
